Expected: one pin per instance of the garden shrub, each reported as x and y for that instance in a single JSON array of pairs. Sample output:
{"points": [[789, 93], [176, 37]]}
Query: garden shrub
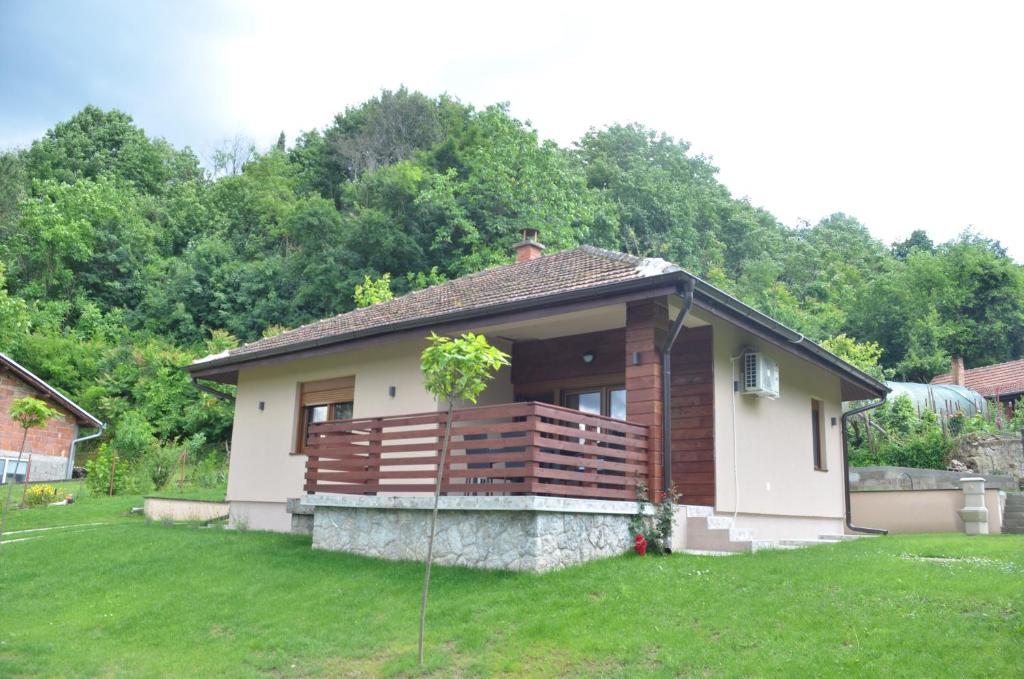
{"points": [[656, 529], [41, 494], [209, 472], [98, 471], [160, 464], [133, 437]]}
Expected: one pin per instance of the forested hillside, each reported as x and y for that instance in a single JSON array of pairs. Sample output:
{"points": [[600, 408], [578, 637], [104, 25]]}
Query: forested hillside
{"points": [[123, 258]]}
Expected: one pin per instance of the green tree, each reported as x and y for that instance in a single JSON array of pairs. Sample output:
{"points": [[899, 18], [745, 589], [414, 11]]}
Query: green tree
{"points": [[863, 355], [453, 369], [372, 292], [95, 143]]}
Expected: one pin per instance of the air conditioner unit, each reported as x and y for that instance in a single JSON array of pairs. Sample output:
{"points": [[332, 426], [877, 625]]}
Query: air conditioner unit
{"points": [[760, 375]]}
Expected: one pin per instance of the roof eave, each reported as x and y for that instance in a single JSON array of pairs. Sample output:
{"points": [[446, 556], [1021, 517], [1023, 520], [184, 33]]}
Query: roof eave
{"points": [[721, 301], [575, 295], [81, 414]]}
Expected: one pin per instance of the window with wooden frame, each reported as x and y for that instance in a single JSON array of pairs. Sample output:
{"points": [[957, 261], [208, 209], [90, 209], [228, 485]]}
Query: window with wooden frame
{"points": [[818, 434], [322, 401]]}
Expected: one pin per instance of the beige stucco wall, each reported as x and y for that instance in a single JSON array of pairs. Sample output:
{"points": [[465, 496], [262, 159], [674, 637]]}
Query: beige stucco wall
{"points": [[776, 473], [773, 442], [919, 511], [263, 475], [262, 470]]}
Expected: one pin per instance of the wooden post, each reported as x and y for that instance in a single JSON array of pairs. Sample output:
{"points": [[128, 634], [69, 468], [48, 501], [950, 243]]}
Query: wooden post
{"points": [[646, 329], [113, 469], [375, 450]]}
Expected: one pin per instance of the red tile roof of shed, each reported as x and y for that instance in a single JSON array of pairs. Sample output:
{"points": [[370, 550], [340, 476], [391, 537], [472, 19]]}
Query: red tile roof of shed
{"points": [[1001, 379]]}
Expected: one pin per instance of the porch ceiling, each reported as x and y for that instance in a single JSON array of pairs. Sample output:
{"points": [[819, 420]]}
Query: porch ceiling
{"points": [[574, 323]]}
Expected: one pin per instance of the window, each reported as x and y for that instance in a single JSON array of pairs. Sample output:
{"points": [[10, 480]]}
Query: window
{"points": [[323, 401], [12, 470], [818, 434], [609, 401]]}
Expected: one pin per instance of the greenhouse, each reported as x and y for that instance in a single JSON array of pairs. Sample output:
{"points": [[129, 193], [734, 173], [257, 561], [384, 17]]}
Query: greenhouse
{"points": [[944, 399]]}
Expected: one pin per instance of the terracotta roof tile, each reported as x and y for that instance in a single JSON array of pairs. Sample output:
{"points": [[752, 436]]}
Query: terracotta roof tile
{"points": [[583, 267], [990, 380]]}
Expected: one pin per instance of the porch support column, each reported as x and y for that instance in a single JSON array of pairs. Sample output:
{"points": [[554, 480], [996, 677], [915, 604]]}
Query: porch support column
{"points": [[647, 326]]}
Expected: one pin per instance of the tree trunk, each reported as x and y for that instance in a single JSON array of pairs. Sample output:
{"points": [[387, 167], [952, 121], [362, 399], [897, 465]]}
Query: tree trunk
{"points": [[433, 525], [10, 488]]}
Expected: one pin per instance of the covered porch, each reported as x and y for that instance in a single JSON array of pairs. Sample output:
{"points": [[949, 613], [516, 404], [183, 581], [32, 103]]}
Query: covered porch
{"points": [[544, 471], [578, 415]]}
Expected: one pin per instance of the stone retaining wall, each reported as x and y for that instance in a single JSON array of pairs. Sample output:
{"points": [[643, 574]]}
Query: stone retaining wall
{"points": [[910, 478], [992, 454], [506, 533]]}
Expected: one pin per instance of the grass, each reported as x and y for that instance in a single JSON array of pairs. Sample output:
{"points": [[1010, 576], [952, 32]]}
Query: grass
{"points": [[136, 599]]}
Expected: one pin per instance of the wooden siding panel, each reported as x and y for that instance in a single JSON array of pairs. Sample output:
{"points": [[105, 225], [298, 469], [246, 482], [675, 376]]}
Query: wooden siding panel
{"points": [[693, 423]]}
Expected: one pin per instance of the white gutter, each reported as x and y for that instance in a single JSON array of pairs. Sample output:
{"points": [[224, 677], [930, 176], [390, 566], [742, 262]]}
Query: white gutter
{"points": [[74, 443]]}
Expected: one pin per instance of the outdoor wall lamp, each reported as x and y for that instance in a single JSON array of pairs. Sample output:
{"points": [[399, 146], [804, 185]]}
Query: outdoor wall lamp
{"points": [[391, 391], [588, 357]]}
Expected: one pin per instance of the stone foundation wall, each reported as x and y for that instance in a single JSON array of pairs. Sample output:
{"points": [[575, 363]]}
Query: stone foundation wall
{"points": [[506, 533]]}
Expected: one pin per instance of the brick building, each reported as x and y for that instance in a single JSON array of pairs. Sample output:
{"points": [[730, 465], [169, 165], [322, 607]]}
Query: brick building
{"points": [[1002, 382], [49, 451]]}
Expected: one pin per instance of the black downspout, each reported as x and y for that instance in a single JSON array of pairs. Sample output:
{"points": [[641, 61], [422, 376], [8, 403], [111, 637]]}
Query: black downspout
{"points": [[211, 391], [846, 472], [666, 385]]}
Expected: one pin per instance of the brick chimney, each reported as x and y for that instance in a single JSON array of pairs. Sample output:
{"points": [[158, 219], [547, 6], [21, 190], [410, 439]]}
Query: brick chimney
{"points": [[958, 370], [528, 248]]}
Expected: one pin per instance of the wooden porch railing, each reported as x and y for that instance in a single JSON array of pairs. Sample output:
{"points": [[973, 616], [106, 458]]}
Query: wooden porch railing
{"points": [[509, 449]]}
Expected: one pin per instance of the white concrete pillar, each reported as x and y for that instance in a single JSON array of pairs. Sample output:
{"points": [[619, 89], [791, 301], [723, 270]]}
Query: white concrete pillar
{"points": [[974, 513]]}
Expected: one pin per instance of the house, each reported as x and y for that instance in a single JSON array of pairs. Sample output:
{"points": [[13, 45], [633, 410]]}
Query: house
{"points": [[50, 451], [1001, 382], [623, 370]]}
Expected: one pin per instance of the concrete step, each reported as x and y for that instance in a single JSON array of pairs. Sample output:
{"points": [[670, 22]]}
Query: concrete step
{"points": [[708, 552], [693, 511], [714, 534], [841, 537], [764, 545], [806, 543]]}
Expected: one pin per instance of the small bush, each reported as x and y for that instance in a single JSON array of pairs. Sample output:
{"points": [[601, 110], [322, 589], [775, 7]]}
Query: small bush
{"points": [[41, 494], [656, 529], [209, 473], [160, 464], [98, 470]]}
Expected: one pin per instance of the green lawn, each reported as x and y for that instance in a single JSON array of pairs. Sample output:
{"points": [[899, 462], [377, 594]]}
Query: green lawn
{"points": [[135, 599]]}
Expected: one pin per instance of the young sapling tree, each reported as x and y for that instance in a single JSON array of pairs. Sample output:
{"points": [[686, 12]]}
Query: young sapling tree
{"points": [[30, 413], [453, 370]]}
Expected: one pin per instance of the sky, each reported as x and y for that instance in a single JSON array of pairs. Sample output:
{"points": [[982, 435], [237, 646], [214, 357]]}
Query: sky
{"points": [[905, 115]]}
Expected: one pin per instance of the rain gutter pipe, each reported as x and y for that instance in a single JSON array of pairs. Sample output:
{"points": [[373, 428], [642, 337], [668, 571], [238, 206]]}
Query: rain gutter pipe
{"points": [[846, 471], [686, 292], [74, 444], [211, 391]]}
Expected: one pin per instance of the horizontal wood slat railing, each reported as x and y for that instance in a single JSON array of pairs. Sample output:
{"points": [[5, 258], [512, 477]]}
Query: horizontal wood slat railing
{"points": [[509, 449]]}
